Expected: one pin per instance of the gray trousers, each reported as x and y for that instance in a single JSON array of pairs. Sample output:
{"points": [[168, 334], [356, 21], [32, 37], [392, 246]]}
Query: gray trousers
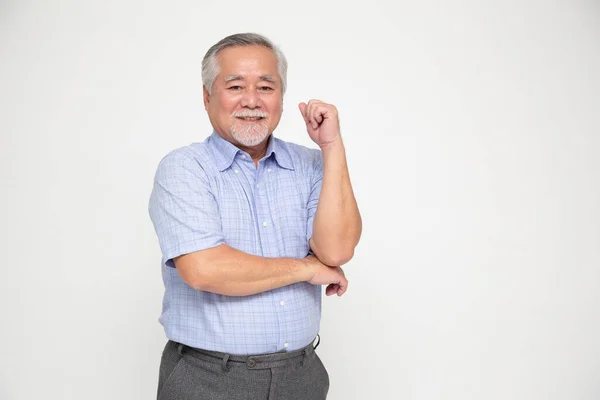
{"points": [[187, 373]]}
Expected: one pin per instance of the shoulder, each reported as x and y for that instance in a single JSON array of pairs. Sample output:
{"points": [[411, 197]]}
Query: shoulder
{"points": [[194, 158]]}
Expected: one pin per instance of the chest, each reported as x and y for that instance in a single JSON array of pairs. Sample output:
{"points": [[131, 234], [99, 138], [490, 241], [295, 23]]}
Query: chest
{"points": [[264, 210]]}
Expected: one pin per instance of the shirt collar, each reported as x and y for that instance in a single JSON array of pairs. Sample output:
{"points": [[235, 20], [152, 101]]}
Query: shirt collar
{"points": [[225, 152], [280, 153]]}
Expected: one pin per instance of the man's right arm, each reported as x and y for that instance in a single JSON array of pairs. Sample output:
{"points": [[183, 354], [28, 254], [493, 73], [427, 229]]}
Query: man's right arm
{"points": [[228, 271]]}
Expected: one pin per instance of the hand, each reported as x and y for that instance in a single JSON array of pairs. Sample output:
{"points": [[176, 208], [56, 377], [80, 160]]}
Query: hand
{"points": [[322, 122], [322, 274]]}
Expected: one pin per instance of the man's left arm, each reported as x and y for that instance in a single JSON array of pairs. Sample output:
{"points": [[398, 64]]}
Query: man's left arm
{"points": [[337, 225]]}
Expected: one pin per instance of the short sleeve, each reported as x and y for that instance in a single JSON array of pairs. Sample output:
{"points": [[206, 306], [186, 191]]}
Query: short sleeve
{"points": [[183, 210], [315, 192]]}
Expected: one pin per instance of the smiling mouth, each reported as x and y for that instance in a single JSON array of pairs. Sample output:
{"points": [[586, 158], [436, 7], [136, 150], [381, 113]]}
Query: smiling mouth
{"points": [[250, 118]]}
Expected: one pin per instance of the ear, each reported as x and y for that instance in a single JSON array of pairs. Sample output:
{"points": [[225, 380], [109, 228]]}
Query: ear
{"points": [[206, 97]]}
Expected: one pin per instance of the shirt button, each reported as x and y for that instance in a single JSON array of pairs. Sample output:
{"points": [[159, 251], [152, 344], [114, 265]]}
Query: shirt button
{"points": [[236, 171], [268, 169], [282, 303], [286, 345], [243, 156], [265, 223], [257, 185]]}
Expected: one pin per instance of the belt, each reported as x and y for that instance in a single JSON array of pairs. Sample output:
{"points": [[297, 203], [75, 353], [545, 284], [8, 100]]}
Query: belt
{"points": [[259, 361]]}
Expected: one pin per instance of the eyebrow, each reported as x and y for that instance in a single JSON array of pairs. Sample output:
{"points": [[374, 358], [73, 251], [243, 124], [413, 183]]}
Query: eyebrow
{"points": [[267, 78]]}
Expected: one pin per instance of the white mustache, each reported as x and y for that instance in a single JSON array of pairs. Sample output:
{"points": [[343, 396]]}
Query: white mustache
{"points": [[249, 114]]}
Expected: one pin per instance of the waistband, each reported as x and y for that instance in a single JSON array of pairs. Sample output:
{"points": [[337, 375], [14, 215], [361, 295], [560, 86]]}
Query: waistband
{"points": [[259, 361]]}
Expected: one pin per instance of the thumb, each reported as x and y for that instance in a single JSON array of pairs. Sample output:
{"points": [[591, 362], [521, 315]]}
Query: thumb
{"points": [[302, 107]]}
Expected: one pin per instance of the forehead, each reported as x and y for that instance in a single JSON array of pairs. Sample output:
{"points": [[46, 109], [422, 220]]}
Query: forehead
{"points": [[247, 61]]}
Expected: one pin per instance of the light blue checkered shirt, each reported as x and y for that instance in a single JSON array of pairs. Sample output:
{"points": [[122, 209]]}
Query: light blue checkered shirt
{"points": [[211, 193]]}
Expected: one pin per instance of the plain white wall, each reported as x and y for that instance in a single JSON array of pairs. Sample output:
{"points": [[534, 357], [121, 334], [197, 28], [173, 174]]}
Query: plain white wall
{"points": [[473, 136]]}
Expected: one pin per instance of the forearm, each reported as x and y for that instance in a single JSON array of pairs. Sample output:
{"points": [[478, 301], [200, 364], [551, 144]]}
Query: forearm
{"points": [[228, 271], [337, 225]]}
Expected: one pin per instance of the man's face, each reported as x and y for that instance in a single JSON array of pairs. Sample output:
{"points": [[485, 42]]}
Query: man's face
{"points": [[246, 101]]}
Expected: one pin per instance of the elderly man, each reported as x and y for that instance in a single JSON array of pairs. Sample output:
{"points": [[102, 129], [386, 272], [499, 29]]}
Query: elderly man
{"points": [[251, 227]]}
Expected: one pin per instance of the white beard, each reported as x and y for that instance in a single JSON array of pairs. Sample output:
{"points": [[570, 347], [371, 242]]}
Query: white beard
{"points": [[251, 134]]}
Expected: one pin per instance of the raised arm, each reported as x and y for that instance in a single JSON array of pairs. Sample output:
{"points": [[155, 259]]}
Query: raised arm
{"points": [[337, 225]]}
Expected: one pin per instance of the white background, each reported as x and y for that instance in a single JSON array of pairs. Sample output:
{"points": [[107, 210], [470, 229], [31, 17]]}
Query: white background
{"points": [[473, 136]]}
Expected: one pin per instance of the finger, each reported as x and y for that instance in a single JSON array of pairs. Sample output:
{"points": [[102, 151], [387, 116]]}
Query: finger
{"points": [[326, 111], [302, 106], [310, 113], [331, 289], [314, 102], [314, 114], [343, 284], [320, 113], [304, 111], [309, 120]]}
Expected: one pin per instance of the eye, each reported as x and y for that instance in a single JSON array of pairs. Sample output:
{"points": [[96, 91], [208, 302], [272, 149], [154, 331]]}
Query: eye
{"points": [[265, 88], [234, 88]]}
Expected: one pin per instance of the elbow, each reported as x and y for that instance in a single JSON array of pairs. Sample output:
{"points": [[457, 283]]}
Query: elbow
{"points": [[206, 284], [332, 254], [336, 258], [198, 283], [225, 290], [205, 281], [196, 278]]}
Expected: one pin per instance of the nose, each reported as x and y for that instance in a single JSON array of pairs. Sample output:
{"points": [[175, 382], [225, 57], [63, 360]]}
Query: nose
{"points": [[250, 99]]}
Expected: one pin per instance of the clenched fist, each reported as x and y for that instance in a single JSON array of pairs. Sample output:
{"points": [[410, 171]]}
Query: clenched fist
{"points": [[322, 122], [321, 274]]}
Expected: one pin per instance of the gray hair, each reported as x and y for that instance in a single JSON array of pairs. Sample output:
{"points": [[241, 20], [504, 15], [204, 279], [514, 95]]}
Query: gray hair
{"points": [[210, 64]]}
